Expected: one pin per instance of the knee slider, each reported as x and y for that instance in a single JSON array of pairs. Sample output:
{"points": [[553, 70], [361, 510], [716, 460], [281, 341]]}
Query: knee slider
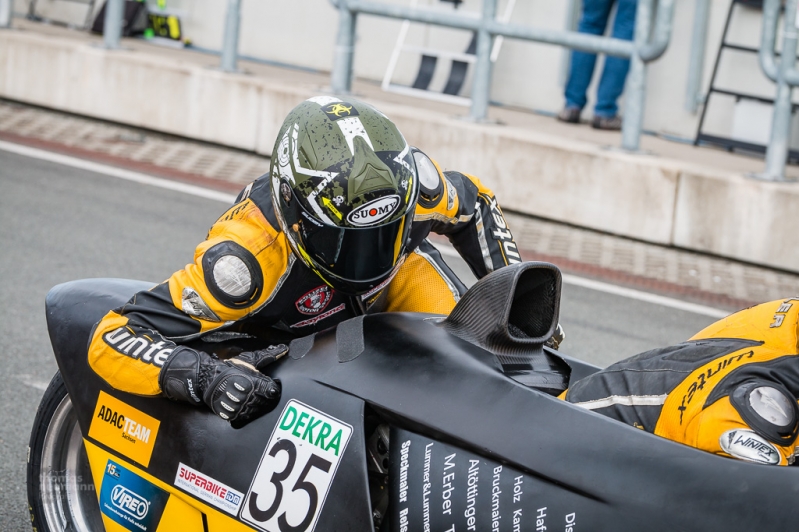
{"points": [[769, 409]]}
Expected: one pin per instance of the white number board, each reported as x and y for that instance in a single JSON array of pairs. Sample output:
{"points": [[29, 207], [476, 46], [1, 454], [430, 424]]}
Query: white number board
{"points": [[296, 470]]}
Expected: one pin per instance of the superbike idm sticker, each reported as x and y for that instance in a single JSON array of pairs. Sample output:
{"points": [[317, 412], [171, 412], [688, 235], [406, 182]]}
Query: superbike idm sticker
{"points": [[125, 429], [296, 470], [131, 501], [208, 489]]}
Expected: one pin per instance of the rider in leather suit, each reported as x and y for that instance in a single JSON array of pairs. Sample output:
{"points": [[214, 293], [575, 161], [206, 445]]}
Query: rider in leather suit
{"points": [[337, 228], [730, 390]]}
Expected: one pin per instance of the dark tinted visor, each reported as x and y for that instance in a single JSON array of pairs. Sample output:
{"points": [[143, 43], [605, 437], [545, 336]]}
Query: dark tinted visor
{"points": [[350, 253]]}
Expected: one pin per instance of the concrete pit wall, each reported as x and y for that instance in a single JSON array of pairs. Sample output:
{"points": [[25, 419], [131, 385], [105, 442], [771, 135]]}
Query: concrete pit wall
{"points": [[644, 197]]}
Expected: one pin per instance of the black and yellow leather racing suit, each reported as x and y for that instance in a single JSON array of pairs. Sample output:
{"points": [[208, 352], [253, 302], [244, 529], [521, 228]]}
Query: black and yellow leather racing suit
{"points": [[131, 343], [730, 390]]}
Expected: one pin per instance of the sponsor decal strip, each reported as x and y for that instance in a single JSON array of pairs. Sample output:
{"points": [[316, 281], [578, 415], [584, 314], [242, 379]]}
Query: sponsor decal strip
{"points": [[208, 489], [319, 318]]}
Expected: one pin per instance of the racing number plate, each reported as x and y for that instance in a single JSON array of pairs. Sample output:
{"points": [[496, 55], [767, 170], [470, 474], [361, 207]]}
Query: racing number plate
{"points": [[296, 470]]}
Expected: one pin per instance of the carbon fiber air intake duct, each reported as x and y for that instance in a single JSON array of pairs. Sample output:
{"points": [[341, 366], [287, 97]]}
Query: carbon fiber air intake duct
{"points": [[511, 313]]}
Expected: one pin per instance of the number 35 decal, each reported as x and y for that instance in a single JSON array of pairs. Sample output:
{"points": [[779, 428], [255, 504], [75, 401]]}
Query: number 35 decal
{"points": [[296, 470]]}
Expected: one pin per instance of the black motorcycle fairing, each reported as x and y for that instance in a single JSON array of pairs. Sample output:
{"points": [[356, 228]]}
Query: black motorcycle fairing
{"points": [[611, 476], [614, 476], [194, 436]]}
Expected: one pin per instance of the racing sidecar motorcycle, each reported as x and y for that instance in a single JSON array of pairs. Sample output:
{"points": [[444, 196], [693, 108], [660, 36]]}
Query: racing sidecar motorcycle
{"points": [[391, 422]]}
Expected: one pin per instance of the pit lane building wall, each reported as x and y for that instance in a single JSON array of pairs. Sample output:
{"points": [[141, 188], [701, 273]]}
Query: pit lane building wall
{"points": [[651, 198], [527, 75]]}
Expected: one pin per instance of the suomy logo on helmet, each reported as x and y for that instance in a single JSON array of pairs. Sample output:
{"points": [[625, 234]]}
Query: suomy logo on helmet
{"points": [[374, 211]]}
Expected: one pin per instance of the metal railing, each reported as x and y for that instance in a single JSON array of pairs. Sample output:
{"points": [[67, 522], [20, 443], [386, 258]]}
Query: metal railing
{"points": [[694, 95], [5, 13], [785, 74], [112, 23], [230, 42], [640, 51], [112, 30]]}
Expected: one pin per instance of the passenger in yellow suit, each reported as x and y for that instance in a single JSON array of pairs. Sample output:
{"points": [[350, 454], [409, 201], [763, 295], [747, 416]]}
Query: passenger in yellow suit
{"points": [[730, 390], [337, 228]]}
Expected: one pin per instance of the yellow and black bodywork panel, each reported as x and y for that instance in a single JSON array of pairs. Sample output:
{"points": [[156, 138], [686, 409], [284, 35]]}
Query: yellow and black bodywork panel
{"points": [[689, 392], [132, 499], [162, 466]]}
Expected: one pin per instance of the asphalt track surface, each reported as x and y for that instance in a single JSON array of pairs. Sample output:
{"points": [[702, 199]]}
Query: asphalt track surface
{"points": [[59, 223]]}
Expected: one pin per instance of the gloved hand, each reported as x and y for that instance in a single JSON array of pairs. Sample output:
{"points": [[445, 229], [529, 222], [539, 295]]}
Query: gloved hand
{"points": [[234, 389], [557, 338]]}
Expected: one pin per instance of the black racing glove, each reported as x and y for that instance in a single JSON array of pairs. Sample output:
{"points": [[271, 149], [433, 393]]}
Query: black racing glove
{"points": [[234, 389]]}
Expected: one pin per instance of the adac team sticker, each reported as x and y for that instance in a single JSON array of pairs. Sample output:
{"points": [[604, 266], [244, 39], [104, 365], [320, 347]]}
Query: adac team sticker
{"points": [[296, 470], [131, 501], [123, 428]]}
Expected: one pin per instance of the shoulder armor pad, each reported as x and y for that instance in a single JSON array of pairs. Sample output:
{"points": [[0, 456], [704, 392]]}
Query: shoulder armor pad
{"points": [[769, 409], [430, 184], [232, 274]]}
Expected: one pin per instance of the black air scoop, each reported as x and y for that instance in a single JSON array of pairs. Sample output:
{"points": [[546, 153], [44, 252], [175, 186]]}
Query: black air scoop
{"points": [[511, 313]]}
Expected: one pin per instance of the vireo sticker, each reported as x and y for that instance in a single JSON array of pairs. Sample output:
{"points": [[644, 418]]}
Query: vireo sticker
{"points": [[130, 500], [123, 428], [296, 470]]}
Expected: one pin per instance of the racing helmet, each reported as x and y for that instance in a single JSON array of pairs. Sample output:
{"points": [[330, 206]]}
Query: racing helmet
{"points": [[344, 187]]}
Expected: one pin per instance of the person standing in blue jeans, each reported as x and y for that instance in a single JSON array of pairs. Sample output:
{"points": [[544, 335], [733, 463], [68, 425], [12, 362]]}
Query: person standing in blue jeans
{"points": [[594, 20]]}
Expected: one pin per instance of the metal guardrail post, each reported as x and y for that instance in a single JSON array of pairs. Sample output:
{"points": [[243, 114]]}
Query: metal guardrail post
{"points": [[341, 77], [572, 20], [778, 146], [634, 101], [696, 65], [481, 86], [661, 34], [112, 24], [642, 50], [5, 13], [230, 42], [768, 58]]}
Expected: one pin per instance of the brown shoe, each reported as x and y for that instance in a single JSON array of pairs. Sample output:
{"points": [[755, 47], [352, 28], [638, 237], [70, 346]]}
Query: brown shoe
{"points": [[570, 115], [609, 123]]}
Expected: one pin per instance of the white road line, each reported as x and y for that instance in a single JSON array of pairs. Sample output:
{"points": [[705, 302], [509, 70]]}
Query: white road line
{"points": [[630, 293], [113, 171], [644, 296], [445, 249]]}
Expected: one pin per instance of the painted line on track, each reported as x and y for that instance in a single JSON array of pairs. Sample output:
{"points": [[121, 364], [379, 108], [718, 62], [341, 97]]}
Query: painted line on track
{"points": [[622, 291], [113, 171], [201, 192]]}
